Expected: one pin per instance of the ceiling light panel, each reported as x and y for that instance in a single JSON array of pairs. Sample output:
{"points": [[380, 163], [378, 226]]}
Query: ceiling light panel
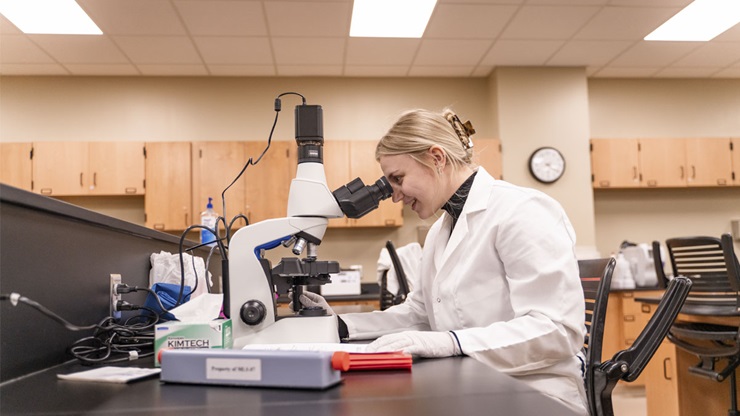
{"points": [[58, 17], [390, 18], [702, 20]]}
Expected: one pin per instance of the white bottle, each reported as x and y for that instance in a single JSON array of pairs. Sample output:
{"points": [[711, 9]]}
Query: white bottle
{"points": [[208, 218]]}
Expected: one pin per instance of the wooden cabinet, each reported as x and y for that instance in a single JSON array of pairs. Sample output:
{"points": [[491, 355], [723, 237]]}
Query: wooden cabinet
{"points": [[661, 381], [215, 166], [615, 163], [736, 161], [268, 182], [488, 154], [167, 204], [15, 165], [88, 168], [347, 160], [661, 163]]}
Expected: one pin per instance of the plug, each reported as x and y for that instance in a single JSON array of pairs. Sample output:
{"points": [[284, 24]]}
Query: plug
{"points": [[115, 297]]}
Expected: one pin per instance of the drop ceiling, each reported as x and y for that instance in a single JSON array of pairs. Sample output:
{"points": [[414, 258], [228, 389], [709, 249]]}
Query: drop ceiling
{"points": [[464, 38]]}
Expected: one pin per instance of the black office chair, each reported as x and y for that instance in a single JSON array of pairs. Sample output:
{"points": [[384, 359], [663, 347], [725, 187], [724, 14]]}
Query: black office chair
{"points": [[712, 266], [388, 299], [602, 377]]}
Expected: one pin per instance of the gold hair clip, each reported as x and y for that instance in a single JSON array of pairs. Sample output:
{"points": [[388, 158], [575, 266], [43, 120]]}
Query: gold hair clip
{"points": [[464, 131]]}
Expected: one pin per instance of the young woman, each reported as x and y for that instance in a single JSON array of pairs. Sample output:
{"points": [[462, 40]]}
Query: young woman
{"points": [[499, 278]]}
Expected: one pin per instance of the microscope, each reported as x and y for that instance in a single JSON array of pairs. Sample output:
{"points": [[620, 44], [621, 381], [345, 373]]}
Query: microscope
{"points": [[251, 284]]}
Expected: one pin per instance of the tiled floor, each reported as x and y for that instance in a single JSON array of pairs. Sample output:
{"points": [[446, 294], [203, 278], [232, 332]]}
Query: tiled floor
{"points": [[629, 400]]}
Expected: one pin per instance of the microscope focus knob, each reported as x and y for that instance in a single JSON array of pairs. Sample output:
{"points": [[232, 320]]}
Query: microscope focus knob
{"points": [[253, 312]]}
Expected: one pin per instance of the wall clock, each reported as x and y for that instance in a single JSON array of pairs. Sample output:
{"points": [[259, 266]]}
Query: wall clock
{"points": [[547, 164]]}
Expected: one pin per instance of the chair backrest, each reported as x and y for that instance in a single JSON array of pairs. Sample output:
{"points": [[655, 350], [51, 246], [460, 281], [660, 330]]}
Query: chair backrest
{"points": [[711, 265], [596, 278], [403, 284]]}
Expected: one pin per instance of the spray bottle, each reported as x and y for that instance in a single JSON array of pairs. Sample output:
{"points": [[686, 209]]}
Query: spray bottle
{"points": [[208, 218]]}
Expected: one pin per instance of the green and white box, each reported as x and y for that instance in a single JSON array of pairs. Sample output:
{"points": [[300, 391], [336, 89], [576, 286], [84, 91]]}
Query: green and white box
{"points": [[191, 335]]}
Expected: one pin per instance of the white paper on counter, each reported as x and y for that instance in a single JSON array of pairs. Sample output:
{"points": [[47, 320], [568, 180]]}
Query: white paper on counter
{"points": [[111, 374]]}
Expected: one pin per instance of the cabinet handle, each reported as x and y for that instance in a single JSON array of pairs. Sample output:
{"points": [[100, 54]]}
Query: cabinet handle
{"points": [[45, 191], [693, 172], [81, 178], [666, 361], [682, 172], [130, 190], [389, 223], [722, 182], [634, 172], [629, 318], [186, 220], [653, 183], [604, 184], [158, 226], [645, 308], [95, 179]]}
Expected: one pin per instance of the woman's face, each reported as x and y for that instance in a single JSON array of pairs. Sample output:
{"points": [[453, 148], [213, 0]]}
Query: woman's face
{"points": [[413, 183]]}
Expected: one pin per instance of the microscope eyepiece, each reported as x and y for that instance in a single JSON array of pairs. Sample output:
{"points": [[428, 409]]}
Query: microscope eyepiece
{"points": [[355, 199]]}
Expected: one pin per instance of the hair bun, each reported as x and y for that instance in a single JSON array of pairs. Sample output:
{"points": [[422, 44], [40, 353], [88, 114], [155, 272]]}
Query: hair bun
{"points": [[463, 130]]}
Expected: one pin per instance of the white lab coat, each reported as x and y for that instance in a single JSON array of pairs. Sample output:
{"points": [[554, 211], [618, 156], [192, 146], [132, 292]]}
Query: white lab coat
{"points": [[506, 281]]}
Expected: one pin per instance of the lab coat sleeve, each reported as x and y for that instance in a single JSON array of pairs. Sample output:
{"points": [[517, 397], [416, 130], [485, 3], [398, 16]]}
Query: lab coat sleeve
{"points": [[408, 316], [535, 244]]}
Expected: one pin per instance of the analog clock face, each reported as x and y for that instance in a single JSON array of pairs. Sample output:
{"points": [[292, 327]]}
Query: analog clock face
{"points": [[546, 164]]}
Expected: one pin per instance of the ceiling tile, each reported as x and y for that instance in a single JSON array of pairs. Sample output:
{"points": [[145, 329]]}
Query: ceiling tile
{"points": [[172, 70], [686, 72], [468, 21], [134, 17], [158, 49], [242, 70], [585, 52], [308, 51], [654, 54], [451, 52], [234, 50], [222, 18], [7, 28], [732, 72], [97, 70], [80, 49], [381, 51], [548, 22], [310, 19], [627, 72], [521, 52], [376, 71], [306, 70], [18, 49], [482, 71], [32, 69], [711, 54], [732, 35], [624, 23]]}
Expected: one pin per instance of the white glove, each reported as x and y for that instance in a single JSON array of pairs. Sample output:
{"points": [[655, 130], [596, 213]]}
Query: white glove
{"points": [[422, 343], [310, 299]]}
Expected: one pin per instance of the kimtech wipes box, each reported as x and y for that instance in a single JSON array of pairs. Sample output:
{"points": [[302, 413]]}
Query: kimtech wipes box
{"points": [[191, 335]]}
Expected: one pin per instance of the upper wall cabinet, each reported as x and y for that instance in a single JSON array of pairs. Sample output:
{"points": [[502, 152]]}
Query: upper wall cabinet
{"points": [[268, 182], [88, 168], [167, 204], [15, 165], [736, 160], [215, 166], [661, 163]]}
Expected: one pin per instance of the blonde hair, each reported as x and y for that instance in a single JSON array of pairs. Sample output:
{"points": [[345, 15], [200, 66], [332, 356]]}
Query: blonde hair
{"points": [[416, 131]]}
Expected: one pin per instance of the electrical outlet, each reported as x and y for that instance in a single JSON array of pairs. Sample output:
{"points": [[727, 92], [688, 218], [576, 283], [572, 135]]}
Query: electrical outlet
{"points": [[115, 279]]}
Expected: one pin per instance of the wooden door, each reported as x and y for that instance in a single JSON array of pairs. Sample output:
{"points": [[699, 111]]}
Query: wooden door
{"points": [[488, 155], [663, 163], [709, 162], [215, 166], [363, 165], [337, 168], [16, 168], [116, 168], [268, 183], [167, 204], [615, 163], [60, 168]]}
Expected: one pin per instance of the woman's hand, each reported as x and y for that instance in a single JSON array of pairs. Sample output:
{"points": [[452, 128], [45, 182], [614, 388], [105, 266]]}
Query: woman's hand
{"points": [[422, 343], [310, 299]]}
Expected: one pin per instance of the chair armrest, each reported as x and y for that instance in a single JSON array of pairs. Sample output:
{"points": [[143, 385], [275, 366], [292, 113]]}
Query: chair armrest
{"points": [[642, 350]]}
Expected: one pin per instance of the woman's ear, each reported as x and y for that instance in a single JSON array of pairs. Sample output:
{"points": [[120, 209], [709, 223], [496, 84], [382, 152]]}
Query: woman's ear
{"points": [[438, 156]]}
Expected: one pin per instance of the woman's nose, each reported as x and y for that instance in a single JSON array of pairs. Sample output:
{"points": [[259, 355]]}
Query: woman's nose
{"points": [[397, 195]]}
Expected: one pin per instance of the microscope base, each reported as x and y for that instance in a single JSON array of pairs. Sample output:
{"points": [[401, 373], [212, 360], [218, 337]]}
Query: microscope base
{"points": [[293, 330]]}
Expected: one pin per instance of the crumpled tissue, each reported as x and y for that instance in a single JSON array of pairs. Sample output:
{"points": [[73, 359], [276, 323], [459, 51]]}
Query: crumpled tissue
{"points": [[202, 309], [166, 269]]}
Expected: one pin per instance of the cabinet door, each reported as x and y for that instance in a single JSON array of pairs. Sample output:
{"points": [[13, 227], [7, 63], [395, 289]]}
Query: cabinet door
{"points": [[337, 168], [116, 168], [615, 163], [268, 182], [60, 168], [661, 382], [709, 162], [736, 161], [167, 204], [15, 165], [215, 166], [363, 165], [663, 163], [488, 155]]}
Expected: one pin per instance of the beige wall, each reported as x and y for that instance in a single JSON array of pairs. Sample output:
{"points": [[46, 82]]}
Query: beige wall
{"points": [[525, 108]]}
